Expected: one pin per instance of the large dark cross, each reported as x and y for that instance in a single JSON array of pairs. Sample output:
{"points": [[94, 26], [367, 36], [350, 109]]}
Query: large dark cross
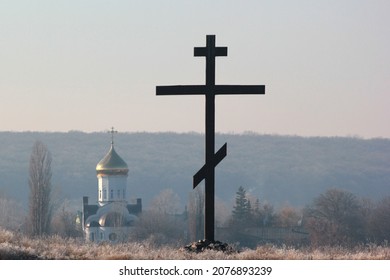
{"points": [[207, 172]]}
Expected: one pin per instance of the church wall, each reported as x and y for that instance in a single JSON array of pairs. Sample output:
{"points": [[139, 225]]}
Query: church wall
{"points": [[112, 187], [107, 234]]}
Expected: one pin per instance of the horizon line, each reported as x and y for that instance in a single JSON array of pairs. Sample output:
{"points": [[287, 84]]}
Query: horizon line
{"points": [[244, 133]]}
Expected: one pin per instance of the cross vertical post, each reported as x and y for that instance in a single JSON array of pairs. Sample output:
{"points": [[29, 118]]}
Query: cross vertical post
{"points": [[210, 52], [207, 172]]}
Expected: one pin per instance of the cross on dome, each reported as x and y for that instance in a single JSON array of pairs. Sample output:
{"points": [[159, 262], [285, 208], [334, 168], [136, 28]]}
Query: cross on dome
{"points": [[112, 131]]}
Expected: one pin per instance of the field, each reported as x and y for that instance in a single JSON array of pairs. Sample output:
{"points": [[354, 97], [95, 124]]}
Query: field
{"points": [[17, 246]]}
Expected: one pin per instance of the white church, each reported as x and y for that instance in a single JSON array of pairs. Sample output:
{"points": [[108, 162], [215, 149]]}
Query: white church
{"points": [[112, 218]]}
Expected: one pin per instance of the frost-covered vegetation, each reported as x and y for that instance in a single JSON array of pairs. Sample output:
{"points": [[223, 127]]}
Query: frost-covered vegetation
{"points": [[336, 219], [17, 246]]}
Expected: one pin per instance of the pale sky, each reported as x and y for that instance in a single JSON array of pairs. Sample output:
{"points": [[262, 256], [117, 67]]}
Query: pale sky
{"points": [[90, 64]]}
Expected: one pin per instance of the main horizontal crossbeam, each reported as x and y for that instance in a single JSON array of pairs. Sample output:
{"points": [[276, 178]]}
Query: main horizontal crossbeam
{"points": [[203, 89], [204, 51]]}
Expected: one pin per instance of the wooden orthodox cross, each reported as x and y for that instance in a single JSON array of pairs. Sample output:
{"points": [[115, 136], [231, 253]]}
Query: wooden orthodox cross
{"points": [[207, 172]]}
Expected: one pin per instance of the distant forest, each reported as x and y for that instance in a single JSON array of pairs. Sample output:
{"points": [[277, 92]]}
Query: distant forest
{"points": [[282, 170]]}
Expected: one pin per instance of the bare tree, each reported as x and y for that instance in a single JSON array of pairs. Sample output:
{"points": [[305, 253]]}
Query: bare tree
{"points": [[196, 214], [166, 202], [334, 218], [288, 217], [379, 226], [40, 209], [64, 221], [11, 214], [162, 221]]}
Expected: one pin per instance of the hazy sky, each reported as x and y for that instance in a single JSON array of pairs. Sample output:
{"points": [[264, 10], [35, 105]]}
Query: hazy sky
{"points": [[89, 65]]}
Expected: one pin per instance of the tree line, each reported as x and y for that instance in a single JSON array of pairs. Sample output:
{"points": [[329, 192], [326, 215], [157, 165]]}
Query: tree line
{"points": [[277, 168], [335, 217]]}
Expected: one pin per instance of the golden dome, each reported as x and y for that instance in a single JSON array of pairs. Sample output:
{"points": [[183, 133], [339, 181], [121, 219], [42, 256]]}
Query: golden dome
{"points": [[112, 163]]}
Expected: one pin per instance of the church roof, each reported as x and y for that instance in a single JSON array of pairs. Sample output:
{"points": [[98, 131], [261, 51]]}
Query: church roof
{"points": [[115, 214], [112, 163]]}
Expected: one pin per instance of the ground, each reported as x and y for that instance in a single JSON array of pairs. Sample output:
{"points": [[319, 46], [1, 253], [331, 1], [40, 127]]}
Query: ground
{"points": [[18, 246]]}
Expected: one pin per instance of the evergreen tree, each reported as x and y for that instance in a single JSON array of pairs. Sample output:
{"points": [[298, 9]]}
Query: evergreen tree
{"points": [[257, 217], [242, 210]]}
